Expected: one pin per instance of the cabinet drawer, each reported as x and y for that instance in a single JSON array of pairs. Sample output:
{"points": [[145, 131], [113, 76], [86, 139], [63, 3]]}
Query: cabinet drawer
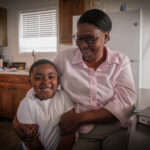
{"points": [[14, 78]]}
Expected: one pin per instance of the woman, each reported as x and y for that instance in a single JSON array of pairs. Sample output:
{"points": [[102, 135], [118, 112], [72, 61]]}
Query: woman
{"points": [[100, 83]]}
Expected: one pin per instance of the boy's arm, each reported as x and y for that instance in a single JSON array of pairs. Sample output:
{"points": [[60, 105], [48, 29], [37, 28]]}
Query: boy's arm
{"points": [[66, 142], [26, 132], [26, 117]]}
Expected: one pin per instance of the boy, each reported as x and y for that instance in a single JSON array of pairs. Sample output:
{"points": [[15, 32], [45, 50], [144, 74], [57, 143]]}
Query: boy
{"points": [[43, 105]]}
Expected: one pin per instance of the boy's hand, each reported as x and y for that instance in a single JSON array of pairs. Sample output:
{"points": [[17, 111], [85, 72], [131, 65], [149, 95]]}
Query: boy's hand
{"points": [[69, 122], [26, 132]]}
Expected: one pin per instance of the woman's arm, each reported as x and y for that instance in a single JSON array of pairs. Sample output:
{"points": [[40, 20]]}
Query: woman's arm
{"points": [[66, 142], [97, 116], [34, 145], [70, 121], [124, 98]]}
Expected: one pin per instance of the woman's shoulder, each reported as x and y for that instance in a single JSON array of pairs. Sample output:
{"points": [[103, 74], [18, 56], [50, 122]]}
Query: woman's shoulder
{"points": [[68, 53], [116, 56], [116, 53]]}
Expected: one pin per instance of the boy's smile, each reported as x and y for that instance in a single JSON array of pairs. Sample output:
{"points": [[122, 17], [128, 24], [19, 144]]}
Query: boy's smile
{"points": [[44, 80]]}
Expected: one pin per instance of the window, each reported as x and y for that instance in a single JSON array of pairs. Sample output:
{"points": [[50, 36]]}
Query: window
{"points": [[37, 31]]}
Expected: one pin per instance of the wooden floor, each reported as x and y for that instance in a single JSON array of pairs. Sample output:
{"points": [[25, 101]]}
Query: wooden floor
{"points": [[8, 138]]}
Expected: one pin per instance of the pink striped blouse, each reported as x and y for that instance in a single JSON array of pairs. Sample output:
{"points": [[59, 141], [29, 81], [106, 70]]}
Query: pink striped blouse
{"points": [[111, 86]]}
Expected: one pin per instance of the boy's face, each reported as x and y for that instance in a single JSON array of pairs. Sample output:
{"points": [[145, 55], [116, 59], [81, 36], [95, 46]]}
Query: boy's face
{"points": [[44, 80]]}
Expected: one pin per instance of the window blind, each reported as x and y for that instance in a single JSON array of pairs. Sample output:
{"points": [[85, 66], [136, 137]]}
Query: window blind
{"points": [[37, 31], [39, 24]]}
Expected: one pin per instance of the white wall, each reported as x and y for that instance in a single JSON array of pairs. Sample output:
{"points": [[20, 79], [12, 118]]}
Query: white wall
{"points": [[114, 5], [11, 51]]}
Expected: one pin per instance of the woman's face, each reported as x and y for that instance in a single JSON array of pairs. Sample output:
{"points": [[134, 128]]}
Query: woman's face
{"points": [[90, 41]]}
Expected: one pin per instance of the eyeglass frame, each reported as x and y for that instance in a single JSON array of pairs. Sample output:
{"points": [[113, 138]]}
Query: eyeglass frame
{"points": [[75, 36]]}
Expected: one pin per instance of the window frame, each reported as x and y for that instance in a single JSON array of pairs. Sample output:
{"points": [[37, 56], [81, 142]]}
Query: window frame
{"points": [[38, 54]]}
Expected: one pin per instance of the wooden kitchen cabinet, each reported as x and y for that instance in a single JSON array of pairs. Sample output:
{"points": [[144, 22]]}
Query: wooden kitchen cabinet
{"points": [[13, 89], [6, 102], [67, 9], [3, 27], [19, 95]]}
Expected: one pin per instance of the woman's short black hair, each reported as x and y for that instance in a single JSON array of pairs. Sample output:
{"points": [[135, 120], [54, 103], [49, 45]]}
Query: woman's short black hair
{"points": [[98, 18], [41, 62]]}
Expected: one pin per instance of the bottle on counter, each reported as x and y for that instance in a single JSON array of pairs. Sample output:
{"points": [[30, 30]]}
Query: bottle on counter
{"points": [[1, 63], [1, 58]]}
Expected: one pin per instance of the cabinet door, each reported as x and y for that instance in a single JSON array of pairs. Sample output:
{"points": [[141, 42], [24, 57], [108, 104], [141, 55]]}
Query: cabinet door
{"points": [[3, 27], [67, 9], [13, 88], [19, 94], [6, 102]]}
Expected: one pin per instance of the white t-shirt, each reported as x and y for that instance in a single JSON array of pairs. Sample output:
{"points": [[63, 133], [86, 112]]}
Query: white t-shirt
{"points": [[46, 114]]}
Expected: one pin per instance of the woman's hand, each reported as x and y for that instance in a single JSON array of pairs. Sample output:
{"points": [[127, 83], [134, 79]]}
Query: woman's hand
{"points": [[26, 132], [69, 122]]}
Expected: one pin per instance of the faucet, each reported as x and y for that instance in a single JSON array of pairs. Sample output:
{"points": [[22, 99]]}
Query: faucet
{"points": [[33, 54]]}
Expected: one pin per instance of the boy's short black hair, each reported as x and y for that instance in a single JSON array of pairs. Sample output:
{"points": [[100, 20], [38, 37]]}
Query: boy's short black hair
{"points": [[98, 18], [41, 62]]}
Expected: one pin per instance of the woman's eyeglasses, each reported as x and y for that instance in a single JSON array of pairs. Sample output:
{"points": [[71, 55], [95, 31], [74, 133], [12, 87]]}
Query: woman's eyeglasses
{"points": [[88, 40]]}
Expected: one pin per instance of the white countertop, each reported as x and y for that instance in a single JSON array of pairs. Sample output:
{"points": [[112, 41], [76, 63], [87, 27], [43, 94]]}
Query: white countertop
{"points": [[15, 72]]}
